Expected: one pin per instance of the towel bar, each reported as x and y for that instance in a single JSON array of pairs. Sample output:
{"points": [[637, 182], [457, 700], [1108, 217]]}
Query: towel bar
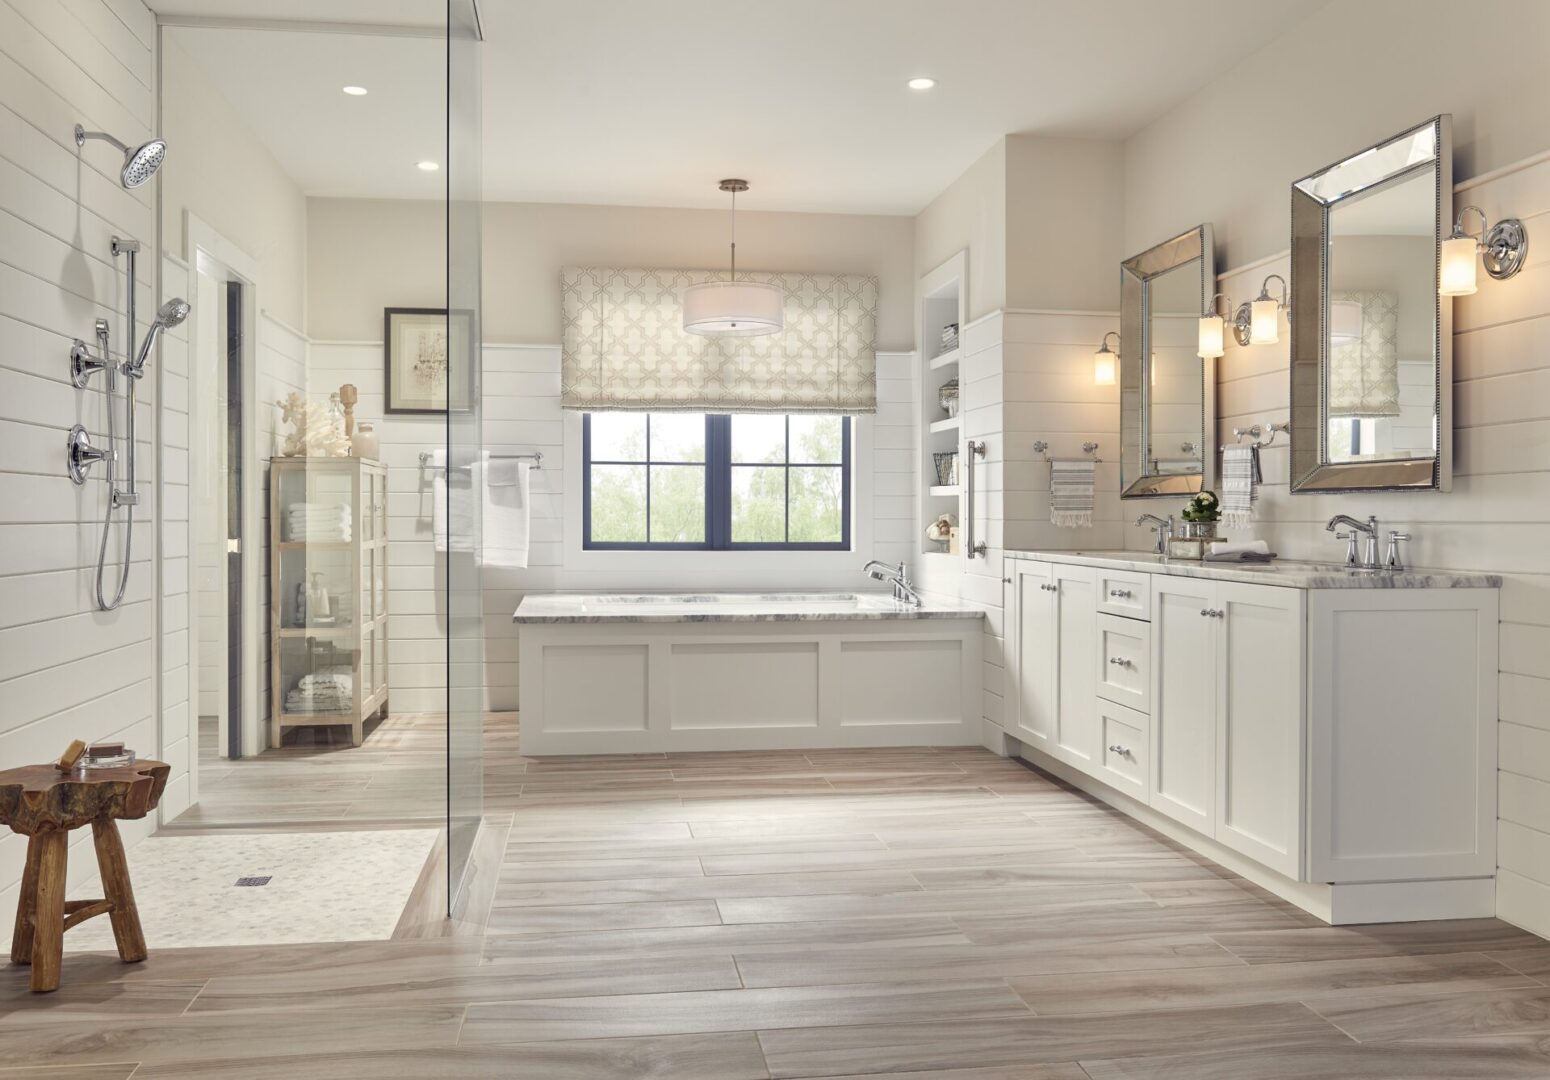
{"points": [[427, 460], [1042, 448]]}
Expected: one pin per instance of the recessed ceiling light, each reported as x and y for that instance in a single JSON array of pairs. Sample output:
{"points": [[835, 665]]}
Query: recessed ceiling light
{"points": [[354, 91], [921, 83], [429, 166]]}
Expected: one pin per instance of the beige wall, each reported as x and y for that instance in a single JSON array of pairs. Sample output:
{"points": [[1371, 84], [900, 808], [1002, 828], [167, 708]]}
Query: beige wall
{"points": [[1348, 76], [1063, 228], [970, 214], [365, 255], [217, 168], [1040, 220]]}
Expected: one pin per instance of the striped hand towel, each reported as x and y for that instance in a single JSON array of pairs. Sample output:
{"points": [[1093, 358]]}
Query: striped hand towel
{"points": [[1071, 494], [1240, 485]]}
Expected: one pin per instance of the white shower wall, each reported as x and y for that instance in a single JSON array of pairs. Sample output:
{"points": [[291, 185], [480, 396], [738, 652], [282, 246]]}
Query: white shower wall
{"points": [[67, 670]]}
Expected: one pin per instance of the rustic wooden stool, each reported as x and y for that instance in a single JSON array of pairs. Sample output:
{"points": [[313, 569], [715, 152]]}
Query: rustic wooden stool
{"points": [[44, 804]]}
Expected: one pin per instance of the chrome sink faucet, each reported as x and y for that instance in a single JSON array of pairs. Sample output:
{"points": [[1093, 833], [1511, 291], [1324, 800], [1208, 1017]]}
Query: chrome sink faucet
{"points": [[899, 576], [1162, 527], [1368, 531]]}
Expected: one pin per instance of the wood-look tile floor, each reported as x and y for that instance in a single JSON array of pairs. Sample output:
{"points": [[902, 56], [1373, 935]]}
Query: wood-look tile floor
{"points": [[921, 913]]}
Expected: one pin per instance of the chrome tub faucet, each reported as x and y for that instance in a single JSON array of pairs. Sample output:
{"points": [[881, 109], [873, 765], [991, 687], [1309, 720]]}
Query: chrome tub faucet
{"points": [[899, 576]]}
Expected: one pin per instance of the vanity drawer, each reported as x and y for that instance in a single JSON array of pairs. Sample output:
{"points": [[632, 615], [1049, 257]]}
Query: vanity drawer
{"points": [[1124, 761], [1125, 662], [1122, 592]]}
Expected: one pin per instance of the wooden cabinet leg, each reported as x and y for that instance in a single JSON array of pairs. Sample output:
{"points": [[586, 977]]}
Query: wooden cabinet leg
{"points": [[48, 934], [27, 904], [114, 869]]}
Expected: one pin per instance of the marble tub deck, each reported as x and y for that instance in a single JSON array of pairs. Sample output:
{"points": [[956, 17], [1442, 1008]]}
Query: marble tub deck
{"points": [[730, 607], [1289, 573]]}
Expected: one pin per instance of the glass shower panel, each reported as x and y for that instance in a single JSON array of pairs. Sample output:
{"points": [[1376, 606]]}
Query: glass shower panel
{"points": [[465, 437]]}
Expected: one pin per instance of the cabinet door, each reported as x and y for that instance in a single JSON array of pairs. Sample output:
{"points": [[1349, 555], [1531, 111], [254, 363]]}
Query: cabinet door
{"points": [[1030, 709], [1259, 711], [1184, 633], [1076, 661]]}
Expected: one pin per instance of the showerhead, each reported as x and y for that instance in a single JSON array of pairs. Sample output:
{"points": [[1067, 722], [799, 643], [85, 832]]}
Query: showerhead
{"points": [[168, 315], [140, 163]]}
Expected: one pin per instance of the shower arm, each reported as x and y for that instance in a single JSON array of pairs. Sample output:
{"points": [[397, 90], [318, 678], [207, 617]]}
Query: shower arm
{"points": [[81, 135]]}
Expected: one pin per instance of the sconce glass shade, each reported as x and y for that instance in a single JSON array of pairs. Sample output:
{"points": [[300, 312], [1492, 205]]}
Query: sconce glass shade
{"points": [[1211, 337], [1105, 370], [1345, 322], [734, 309], [1456, 268], [1265, 323]]}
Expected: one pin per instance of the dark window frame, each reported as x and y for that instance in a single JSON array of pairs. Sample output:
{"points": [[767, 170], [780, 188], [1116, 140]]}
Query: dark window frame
{"points": [[718, 467]]}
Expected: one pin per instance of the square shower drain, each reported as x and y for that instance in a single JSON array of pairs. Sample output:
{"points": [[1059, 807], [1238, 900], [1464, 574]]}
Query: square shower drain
{"points": [[255, 880]]}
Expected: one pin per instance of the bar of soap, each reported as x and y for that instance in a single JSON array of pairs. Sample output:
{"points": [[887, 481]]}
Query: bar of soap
{"points": [[100, 750], [71, 755]]}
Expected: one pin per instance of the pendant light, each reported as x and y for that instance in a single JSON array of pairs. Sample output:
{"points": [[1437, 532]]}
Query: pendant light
{"points": [[734, 308]]}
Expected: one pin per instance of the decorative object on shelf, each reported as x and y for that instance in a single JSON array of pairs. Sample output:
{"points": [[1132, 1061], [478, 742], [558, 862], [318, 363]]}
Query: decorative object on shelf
{"points": [[365, 443], [336, 414], [949, 338], [421, 372], [348, 396], [319, 609], [1258, 322], [947, 397], [733, 308], [946, 467], [312, 433], [1502, 247], [1105, 362], [942, 530]]}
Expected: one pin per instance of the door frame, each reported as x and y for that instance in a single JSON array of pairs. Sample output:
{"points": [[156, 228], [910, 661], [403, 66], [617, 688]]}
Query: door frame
{"points": [[203, 244]]}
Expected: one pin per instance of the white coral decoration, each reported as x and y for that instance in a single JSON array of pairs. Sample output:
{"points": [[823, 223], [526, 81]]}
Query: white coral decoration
{"points": [[312, 433], [942, 528]]}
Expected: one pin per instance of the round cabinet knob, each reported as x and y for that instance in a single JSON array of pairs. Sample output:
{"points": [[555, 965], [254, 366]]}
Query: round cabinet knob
{"points": [[1120, 750], [1007, 580], [1205, 611]]}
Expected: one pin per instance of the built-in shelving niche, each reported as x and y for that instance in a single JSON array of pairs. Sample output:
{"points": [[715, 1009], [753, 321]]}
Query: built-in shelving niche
{"points": [[942, 301]]}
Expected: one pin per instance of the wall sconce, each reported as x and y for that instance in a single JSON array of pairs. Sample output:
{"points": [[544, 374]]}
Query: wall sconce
{"points": [[1502, 247], [1105, 362], [1212, 331], [1259, 322]]}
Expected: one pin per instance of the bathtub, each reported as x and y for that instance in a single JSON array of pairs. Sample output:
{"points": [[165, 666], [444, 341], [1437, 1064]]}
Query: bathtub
{"points": [[610, 673]]}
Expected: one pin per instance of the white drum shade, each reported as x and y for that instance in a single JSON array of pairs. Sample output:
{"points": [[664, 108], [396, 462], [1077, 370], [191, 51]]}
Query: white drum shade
{"points": [[734, 308]]}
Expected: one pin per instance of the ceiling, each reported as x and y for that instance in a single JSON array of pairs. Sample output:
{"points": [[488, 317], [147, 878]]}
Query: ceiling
{"points": [[616, 101]]}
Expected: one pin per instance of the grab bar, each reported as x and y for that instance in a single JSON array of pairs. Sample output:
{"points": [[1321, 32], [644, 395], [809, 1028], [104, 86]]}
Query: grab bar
{"points": [[976, 449]]}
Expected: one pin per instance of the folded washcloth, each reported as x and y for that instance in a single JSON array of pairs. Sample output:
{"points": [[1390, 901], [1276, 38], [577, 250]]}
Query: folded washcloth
{"points": [[1240, 551], [1071, 493], [1240, 485]]}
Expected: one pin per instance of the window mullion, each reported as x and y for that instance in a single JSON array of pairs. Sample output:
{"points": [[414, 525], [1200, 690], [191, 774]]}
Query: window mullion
{"points": [[718, 481]]}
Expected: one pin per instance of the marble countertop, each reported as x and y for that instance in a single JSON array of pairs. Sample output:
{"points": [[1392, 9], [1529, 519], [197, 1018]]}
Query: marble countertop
{"points": [[1286, 572], [729, 607]]}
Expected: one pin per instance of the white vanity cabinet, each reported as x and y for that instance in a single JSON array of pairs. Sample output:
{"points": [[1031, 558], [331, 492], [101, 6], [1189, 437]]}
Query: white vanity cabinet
{"points": [[1329, 736], [1052, 651]]}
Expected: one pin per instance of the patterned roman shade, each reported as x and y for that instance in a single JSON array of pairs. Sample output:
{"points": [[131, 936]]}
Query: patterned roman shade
{"points": [[1364, 374], [623, 346]]}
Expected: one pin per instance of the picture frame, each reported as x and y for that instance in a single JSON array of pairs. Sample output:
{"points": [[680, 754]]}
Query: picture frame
{"points": [[419, 349]]}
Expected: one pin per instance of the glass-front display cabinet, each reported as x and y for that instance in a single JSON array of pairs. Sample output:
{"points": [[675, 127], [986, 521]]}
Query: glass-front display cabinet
{"points": [[327, 593]]}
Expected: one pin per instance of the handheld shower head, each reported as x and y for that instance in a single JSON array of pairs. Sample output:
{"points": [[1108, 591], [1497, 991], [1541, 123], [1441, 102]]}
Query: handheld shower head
{"points": [[140, 163], [168, 315]]}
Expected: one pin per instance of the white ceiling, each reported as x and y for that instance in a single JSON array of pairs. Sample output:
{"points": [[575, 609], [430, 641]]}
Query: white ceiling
{"points": [[617, 101]]}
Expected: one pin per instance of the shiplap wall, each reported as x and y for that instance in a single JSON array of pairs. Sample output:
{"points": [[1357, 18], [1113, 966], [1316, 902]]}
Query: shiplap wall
{"points": [[67, 670], [521, 413], [1496, 518], [1027, 376]]}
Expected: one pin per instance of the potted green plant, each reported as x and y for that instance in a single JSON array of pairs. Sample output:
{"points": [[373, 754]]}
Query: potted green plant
{"points": [[1201, 516]]}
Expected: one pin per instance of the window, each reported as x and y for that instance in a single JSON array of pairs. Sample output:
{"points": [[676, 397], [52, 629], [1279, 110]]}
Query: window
{"points": [[688, 481]]}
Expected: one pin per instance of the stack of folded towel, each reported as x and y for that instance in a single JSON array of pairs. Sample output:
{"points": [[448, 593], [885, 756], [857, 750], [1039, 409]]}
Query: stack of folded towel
{"points": [[318, 522], [325, 690]]}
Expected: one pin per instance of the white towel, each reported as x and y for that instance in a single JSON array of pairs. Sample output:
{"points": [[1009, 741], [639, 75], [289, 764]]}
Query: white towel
{"points": [[1071, 493], [1240, 485], [507, 488], [452, 505], [1249, 551]]}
